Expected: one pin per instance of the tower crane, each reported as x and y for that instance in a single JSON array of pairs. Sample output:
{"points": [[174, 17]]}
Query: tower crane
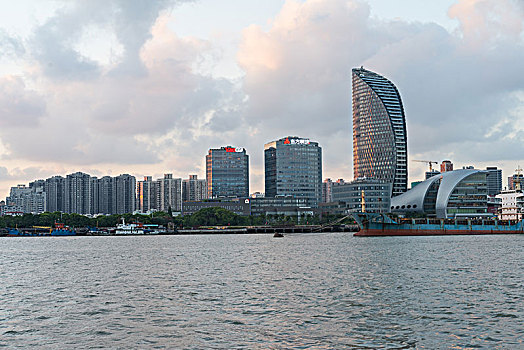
{"points": [[429, 162]]}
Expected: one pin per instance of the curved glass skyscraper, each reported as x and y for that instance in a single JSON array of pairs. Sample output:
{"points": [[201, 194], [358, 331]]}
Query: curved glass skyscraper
{"points": [[379, 130]]}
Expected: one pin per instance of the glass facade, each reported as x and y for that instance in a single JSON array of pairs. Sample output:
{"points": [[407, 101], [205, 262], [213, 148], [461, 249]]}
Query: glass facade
{"points": [[379, 130], [377, 195], [293, 167], [469, 196], [227, 172]]}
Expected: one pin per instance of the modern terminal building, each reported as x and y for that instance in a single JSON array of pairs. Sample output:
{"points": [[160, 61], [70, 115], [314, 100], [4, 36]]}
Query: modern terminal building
{"points": [[227, 173], [379, 131], [293, 167], [458, 193]]}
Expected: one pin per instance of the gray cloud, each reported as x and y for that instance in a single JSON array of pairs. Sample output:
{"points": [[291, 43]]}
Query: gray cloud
{"points": [[153, 108], [19, 107]]}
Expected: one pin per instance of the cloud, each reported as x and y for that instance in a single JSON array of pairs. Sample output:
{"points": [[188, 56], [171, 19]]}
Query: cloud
{"points": [[124, 118], [455, 86], [19, 106], [11, 46], [144, 101]]}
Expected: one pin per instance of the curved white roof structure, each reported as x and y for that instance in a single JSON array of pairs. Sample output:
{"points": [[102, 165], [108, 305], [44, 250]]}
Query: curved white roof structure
{"points": [[445, 183]]}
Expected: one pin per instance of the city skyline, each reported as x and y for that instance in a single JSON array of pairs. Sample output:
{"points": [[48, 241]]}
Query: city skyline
{"points": [[83, 92]]}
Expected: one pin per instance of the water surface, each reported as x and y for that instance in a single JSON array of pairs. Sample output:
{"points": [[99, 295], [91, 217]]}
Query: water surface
{"points": [[317, 291]]}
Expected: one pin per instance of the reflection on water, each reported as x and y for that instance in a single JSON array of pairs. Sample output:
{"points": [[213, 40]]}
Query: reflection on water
{"points": [[320, 291]]}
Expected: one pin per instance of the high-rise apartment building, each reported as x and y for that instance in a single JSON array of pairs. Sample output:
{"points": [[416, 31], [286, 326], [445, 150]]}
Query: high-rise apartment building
{"points": [[105, 195], [146, 194], [494, 180], [78, 193], [379, 130], [194, 189], [124, 198], [169, 193], [227, 172], [54, 191], [293, 167]]}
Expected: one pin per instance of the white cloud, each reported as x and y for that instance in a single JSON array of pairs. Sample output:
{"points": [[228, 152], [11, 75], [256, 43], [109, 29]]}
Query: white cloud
{"points": [[148, 102]]}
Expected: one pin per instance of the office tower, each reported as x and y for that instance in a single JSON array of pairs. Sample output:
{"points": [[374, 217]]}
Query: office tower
{"points": [[379, 130], [105, 195], [54, 191], [194, 189], [227, 172], [169, 193], [78, 193], [446, 165], [494, 180], [293, 167], [146, 194], [124, 198]]}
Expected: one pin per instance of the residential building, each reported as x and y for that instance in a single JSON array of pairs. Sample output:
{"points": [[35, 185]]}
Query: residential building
{"points": [[146, 195], [169, 193], [54, 189], [379, 131], [124, 197], [78, 193], [293, 167], [227, 173], [105, 195], [194, 189]]}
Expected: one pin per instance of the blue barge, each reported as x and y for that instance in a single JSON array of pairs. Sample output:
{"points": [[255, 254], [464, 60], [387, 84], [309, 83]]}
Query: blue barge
{"points": [[374, 224]]}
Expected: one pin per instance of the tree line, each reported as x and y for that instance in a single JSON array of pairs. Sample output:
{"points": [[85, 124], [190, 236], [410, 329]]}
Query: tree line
{"points": [[204, 217]]}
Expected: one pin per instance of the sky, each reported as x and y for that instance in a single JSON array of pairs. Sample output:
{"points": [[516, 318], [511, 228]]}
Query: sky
{"points": [[147, 87]]}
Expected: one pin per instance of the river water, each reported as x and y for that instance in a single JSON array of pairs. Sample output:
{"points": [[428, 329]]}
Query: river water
{"points": [[304, 291]]}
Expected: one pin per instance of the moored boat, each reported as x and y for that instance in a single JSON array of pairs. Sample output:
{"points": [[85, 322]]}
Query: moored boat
{"points": [[374, 224], [129, 229]]}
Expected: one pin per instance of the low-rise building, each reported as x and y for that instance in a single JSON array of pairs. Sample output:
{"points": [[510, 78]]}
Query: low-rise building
{"points": [[372, 195], [238, 206]]}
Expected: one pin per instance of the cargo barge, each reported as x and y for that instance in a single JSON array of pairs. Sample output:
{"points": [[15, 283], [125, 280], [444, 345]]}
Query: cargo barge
{"points": [[374, 224], [41, 231]]}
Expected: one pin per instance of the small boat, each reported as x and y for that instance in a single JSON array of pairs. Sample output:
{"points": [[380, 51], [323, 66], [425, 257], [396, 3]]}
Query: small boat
{"points": [[278, 235], [129, 229]]}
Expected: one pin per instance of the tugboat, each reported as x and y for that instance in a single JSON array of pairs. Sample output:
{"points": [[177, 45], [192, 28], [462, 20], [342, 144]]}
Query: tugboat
{"points": [[62, 230]]}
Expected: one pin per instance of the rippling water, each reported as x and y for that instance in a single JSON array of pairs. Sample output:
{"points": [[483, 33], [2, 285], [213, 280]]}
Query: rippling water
{"points": [[325, 291]]}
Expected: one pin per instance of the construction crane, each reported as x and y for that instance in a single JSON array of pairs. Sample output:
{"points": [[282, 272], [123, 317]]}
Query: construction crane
{"points": [[429, 162]]}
